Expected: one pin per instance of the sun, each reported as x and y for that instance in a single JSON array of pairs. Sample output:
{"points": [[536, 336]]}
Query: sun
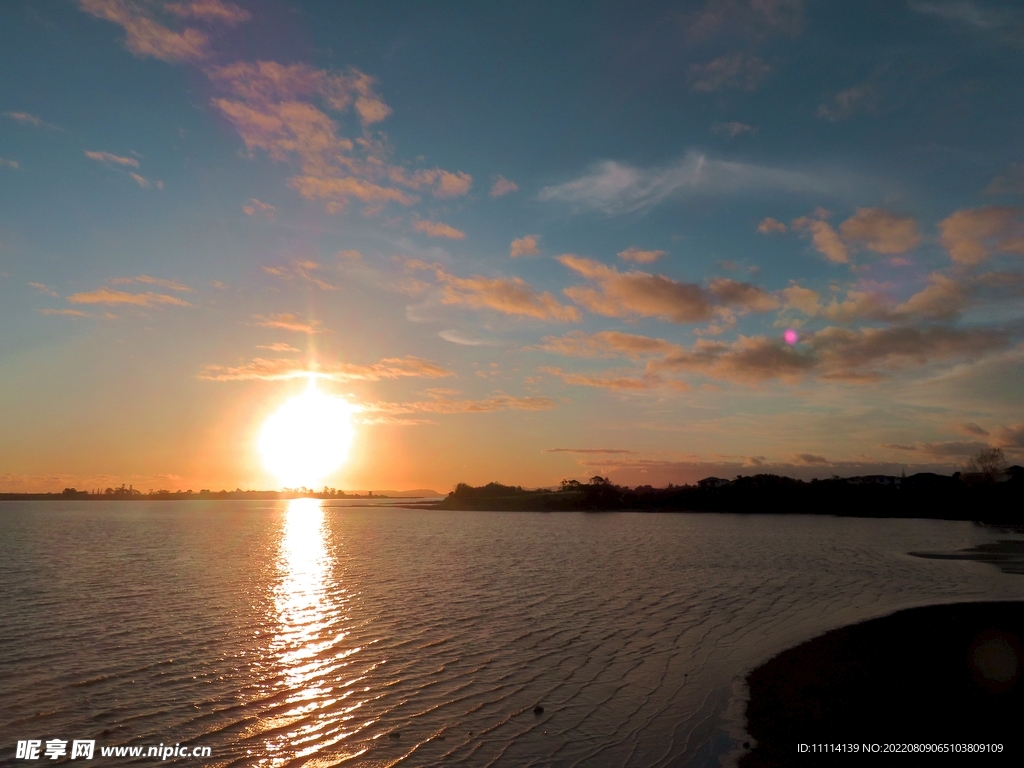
{"points": [[308, 438]]}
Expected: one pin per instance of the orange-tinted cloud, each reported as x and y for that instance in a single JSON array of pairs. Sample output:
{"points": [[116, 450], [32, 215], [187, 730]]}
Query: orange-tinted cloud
{"points": [[437, 229], [524, 246], [254, 207], [640, 256], [620, 383], [826, 240], [441, 403], [972, 234], [27, 119], [144, 182], [942, 299], [275, 108], [627, 294], [607, 344], [109, 297], [108, 157], [210, 10], [172, 285], [503, 186], [881, 231], [283, 368], [278, 346], [302, 269], [511, 296], [735, 70], [769, 225], [66, 312], [289, 322], [42, 288], [146, 37]]}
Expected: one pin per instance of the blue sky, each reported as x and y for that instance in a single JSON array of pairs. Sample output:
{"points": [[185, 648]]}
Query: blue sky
{"points": [[530, 242]]}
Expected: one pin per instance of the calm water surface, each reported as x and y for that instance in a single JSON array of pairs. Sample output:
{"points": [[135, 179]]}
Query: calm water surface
{"points": [[306, 634]]}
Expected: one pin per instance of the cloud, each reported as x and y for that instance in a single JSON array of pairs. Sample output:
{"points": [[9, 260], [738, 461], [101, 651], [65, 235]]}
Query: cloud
{"points": [[301, 269], [145, 36], [441, 403], [1010, 182], [144, 182], [634, 293], [65, 312], [735, 70], [437, 229], [279, 346], [45, 289], [942, 299], [5, 163], [810, 459], [607, 344], [846, 104], [1011, 436], [769, 225], [970, 428], [455, 337], [289, 322], [732, 129], [27, 119], [755, 19], [972, 234], [503, 186], [881, 231], [172, 285], [276, 108], [280, 369], [826, 240], [602, 451], [969, 14], [210, 10], [524, 246], [254, 207], [107, 157], [615, 188], [512, 296], [619, 383], [349, 255], [640, 256], [109, 297], [948, 448], [801, 299]]}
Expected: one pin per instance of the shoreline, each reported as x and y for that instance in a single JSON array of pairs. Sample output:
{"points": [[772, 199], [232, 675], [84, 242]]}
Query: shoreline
{"points": [[937, 674]]}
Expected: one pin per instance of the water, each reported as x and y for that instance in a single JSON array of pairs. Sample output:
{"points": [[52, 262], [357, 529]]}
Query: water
{"points": [[295, 633]]}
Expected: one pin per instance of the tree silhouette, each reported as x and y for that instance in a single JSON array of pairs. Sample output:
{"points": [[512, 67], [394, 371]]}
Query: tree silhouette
{"points": [[989, 462]]}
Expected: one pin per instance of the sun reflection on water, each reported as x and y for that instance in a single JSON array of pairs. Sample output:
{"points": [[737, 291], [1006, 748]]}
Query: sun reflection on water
{"points": [[316, 698]]}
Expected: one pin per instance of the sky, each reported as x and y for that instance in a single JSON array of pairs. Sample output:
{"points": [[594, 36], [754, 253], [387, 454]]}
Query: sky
{"points": [[655, 241]]}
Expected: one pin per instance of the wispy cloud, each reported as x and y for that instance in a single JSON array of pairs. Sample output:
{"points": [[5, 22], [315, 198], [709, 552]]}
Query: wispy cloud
{"points": [[847, 103], [112, 298], [441, 403], [607, 344], [44, 289], [635, 293], [146, 36], [28, 119], [616, 188], [437, 229], [210, 10], [732, 129], [640, 256], [301, 269], [5, 163], [64, 312], [503, 186], [732, 71], [881, 231], [770, 226], [604, 451], [109, 157], [511, 296], [172, 285], [279, 346], [254, 207], [282, 369], [289, 322], [525, 246]]}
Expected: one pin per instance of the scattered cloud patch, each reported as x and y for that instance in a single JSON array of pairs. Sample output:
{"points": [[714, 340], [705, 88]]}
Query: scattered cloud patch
{"points": [[27, 119], [44, 289], [254, 207], [113, 298], [443, 403], [972, 234], [5, 163], [640, 256], [109, 157], [525, 246], [607, 344], [1010, 182], [301, 269], [770, 226], [64, 312], [349, 255], [502, 187], [145, 36], [172, 285], [731, 71], [437, 229], [210, 10], [846, 104], [732, 129], [283, 368], [881, 231], [278, 346], [826, 240], [289, 322], [603, 451]]}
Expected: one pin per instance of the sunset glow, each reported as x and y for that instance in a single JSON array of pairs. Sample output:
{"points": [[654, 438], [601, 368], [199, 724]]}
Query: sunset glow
{"points": [[308, 438]]}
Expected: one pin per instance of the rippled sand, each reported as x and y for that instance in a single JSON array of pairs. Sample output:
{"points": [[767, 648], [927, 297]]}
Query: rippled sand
{"points": [[316, 635]]}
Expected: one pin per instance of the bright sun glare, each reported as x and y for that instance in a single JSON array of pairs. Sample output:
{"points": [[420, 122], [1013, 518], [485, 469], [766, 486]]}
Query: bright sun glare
{"points": [[307, 438]]}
